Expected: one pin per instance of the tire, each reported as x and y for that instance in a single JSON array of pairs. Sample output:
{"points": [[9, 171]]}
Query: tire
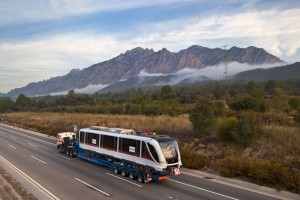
{"points": [[131, 176], [124, 173], [68, 152], [61, 150], [72, 153], [116, 170], [141, 178]]}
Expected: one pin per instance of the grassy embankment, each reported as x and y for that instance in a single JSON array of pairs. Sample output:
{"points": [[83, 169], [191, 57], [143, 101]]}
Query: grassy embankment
{"points": [[272, 160]]}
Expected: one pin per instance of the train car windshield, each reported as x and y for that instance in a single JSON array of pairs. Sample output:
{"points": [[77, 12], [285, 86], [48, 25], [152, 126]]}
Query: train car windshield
{"points": [[169, 149]]}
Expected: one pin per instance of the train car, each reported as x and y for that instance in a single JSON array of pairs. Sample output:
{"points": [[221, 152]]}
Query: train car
{"points": [[144, 157]]}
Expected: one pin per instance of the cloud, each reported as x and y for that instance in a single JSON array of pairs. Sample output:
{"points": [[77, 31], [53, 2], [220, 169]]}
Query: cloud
{"points": [[90, 89], [212, 72], [32, 11]]}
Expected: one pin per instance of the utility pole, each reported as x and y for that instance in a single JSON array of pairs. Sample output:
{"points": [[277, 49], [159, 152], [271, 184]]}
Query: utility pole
{"points": [[225, 60]]}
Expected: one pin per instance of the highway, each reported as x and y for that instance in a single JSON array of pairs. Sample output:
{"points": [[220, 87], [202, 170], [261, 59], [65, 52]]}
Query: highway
{"points": [[56, 176]]}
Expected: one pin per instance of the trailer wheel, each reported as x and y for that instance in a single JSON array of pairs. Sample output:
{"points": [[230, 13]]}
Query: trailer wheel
{"points": [[116, 170], [131, 176], [124, 173], [141, 178]]}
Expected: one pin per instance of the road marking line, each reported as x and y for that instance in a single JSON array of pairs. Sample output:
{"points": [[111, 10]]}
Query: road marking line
{"points": [[124, 180], [92, 187], [62, 156], [38, 159], [13, 137], [203, 189], [12, 146], [32, 144], [52, 196], [28, 136]]}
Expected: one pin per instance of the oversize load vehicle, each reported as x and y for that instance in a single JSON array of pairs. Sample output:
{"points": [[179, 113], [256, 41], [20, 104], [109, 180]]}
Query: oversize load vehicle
{"points": [[127, 152]]}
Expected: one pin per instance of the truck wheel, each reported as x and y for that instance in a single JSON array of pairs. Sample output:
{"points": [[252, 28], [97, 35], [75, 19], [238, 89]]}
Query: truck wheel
{"points": [[131, 176], [141, 178], [72, 153], [124, 173], [116, 170], [61, 150]]}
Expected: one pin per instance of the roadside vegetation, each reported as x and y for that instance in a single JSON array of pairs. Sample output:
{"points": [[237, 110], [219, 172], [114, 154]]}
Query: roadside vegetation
{"points": [[245, 130]]}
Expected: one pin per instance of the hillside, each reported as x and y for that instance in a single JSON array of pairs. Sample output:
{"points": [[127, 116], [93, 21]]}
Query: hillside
{"points": [[276, 73]]}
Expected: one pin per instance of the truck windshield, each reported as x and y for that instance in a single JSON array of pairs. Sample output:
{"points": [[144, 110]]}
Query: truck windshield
{"points": [[169, 148]]}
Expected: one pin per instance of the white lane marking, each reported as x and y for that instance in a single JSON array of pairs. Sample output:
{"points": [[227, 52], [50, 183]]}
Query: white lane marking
{"points": [[62, 156], [203, 189], [12, 146], [29, 136], [38, 159], [92, 187], [124, 180], [48, 193], [13, 137], [32, 145]]}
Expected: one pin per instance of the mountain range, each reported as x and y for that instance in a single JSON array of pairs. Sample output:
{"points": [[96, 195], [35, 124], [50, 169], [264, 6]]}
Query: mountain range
{"points": [[128, 67]]}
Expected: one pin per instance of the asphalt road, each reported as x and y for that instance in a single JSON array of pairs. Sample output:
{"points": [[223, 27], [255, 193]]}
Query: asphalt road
{"points": [[55, 176]]}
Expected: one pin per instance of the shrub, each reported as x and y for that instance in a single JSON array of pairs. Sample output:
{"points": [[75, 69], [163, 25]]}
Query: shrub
{"points": [[192, 159], [248, 128], [232, 166], [226, 129], [203, 116], [245, 103]]}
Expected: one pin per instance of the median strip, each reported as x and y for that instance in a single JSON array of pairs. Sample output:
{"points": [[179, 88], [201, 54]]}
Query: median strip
{"points": [[92, 187]]}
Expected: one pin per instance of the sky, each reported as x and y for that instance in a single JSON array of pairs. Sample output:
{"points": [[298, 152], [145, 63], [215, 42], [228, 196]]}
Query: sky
{"points": [[40, 39]]}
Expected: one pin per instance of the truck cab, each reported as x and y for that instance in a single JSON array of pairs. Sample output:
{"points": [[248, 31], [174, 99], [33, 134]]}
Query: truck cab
{"points": [[65, 142]]}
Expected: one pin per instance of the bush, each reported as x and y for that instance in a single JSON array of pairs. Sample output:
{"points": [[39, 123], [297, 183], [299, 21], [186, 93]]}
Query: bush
{"points": [[248, 128], [262, 172], [203, 116], [232, 166], [226, 129], [245, 103], [192, 159]]}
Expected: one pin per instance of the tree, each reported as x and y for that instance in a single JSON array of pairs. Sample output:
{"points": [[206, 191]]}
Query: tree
{"points": [[6, 104], [226, 129], [244, 103], [203, 116], [248, 128], [167, 92], [280, 100], [23, 102], [270, 86]]}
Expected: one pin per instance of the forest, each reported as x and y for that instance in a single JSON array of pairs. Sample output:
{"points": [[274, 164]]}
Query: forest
{"points": [[248, 129]]}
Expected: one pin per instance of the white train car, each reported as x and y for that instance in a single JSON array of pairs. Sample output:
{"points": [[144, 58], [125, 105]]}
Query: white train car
{"points": [[148, 158]]}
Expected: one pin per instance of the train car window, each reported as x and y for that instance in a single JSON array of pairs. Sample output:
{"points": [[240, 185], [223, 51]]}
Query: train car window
{"points": [[145, 153], [153, 152], [81, 137], [109, 141], [129, 146], [92, 138]]}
